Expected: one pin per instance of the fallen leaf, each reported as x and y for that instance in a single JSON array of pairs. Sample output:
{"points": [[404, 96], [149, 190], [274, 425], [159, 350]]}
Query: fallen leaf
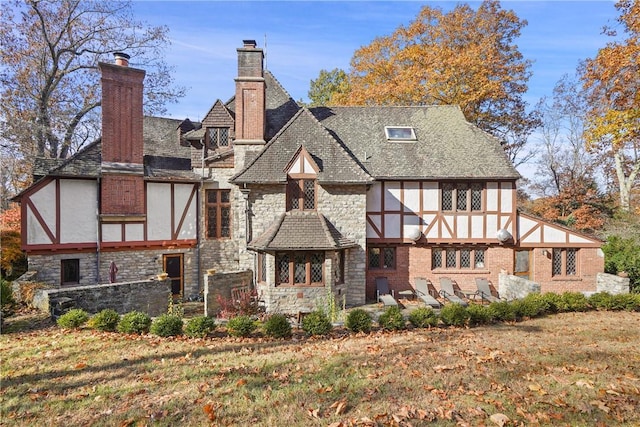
{"points": [[209, 409], [499, 419], [314, 413], [340, 406], [241, 382], [584, 383], [81, 365], [601, 405]]}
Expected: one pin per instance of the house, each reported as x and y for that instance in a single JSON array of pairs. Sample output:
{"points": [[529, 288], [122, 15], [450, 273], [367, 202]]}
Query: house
{"points": [[312, 201]]}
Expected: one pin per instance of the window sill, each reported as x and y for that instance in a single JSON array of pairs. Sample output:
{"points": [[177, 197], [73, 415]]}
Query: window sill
{"points": [[299, 285], [460, 271], [566, 279]]}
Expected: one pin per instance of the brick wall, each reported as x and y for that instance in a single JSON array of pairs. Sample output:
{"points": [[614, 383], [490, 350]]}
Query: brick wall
{"points": [[221, 284]]}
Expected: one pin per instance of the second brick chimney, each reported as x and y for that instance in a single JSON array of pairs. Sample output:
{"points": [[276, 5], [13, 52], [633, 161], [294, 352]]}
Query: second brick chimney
{"points": [[250, 95]]}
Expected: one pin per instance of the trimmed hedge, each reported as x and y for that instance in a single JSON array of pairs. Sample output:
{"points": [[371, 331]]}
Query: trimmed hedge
{"points": [[358, 320], [73, 319], [277, 326], [134, 322], [392, 319], [423, 317], [200, 327], [106, 320], [316, 323]]}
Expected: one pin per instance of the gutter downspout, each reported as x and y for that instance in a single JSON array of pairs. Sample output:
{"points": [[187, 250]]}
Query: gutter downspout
{"points": [[98, 279]]}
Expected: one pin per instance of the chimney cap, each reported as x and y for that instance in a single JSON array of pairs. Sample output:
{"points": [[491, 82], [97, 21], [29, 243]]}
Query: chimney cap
{"points": [[249, 43], [121, 58]]}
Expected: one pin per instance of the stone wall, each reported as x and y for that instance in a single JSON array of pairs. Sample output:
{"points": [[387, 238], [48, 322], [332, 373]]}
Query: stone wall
{"points": [[221, 284], [612, 284], [514, 287], [149, 296]]}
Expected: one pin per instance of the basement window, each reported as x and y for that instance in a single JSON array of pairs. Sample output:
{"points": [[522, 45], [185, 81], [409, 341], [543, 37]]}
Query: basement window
{"points": [[400, 133]]}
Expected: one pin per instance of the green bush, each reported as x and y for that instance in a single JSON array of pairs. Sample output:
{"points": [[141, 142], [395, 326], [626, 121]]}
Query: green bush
{"points": [[533, 305], [134, 322], [573, 301], [105, 320], [553, 301], [502, 311], [478, 314], [316, 323], [277, 326], [167, 325], [241, 326], [601, 301], [358, 320], [392, 319], [622, 254], [423, 317], [627, 302], [454, 314], [73, 319], [6, 293], [200, 327]]}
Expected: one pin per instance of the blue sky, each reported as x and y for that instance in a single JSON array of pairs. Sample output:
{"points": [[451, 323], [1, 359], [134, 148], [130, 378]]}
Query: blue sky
{"points": [[304, 37]]}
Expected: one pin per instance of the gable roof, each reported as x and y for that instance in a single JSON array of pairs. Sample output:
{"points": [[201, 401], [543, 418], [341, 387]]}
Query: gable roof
{"points": [[447, 146], [284, 234], [335, 163]]}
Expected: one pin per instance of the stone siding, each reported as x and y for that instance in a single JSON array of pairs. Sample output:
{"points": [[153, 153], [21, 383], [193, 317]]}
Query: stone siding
{"points": [[149, 296], [221, 284], [612, 284], [514, 287]]}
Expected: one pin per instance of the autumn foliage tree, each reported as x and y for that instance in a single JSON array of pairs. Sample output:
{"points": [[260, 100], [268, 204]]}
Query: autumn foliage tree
{"points": [[13, 262], [50, 50], [465, 57], [613, 81]]}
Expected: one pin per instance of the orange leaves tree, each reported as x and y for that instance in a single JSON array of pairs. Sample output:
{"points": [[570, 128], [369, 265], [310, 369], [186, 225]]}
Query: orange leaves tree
{"points": [[465, 57], [50, 84], [13, 261], [612, 79]]}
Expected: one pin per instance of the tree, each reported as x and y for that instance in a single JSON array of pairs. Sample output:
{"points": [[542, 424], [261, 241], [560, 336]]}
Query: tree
{"points": [[464, 57], [613, 81], [50, 50], [328, 84], [13, 261]]}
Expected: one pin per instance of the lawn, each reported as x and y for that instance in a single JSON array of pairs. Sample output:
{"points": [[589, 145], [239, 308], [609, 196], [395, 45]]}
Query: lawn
{"points": [[569, 369]]}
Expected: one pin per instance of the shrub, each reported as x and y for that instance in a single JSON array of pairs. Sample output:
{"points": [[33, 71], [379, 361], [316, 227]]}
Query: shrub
{"points": [[246, 304], [553, 301], [6, 293], [167, 325], [454, 314], [573, 301], [73, 319], [478, 314], [423, 317], [392, 319], [358, 320], [134, 322], [502, 311], [200, 327], [105, 320], [277, 326], [533, 305], [621, 254], [627, 302], [241, 326], [601, 301], [316, 323]]}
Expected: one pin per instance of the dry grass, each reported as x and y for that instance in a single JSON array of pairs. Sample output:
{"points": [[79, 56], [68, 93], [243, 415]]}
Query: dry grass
{"points": [[571, 369]]}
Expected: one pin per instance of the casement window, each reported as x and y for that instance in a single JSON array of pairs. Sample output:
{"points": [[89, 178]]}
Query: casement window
{"points": [[382, 258], [218, 214], [301, 194], [217, 137], [70, 271], [565, 262], [262, 268], [300, 268], [458, 258], [461, 196]]}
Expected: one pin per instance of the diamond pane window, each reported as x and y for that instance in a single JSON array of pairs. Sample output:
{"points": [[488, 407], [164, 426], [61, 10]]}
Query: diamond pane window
{"points": [[300, 271], [436, 258], [465, 258], [384, 257], [218, 137], [461, 197], [317, 263], [309, 194], [225, 222], [212, 196], [374, 257], [262, 267], [223, 137], [479, 258], [557, 262], [389, 258], [218, 209], [451, 258], [572, 255], [301, 194], [212, 221], [447, 197], [283, 268], [476, 197]]}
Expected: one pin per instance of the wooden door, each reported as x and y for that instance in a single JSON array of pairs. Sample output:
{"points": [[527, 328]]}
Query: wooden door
{"points": [[173, 266]]}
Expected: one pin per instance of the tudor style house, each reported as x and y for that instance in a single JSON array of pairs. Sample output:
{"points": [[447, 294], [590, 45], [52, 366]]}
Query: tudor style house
{"points": [[311, 201]]}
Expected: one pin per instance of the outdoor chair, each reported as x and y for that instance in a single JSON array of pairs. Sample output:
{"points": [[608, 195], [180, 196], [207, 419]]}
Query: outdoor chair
{"points": [[484, 290], [423, 292], [447, 291], [383, 292]]}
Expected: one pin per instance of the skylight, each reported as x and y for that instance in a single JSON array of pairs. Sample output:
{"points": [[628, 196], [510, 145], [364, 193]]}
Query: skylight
{"points": [[400, 133]]}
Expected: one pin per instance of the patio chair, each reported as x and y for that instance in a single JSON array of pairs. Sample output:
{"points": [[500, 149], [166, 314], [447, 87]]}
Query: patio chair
{"points": [[383, 292], [424, 293], [448, 292], [484, 290]]}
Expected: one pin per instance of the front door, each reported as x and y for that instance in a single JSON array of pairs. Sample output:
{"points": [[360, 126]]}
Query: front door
{"points": [[173, 266], [522, 264]]}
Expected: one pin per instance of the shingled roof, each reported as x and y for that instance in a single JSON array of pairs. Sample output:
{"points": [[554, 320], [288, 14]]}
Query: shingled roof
{"points": [[335, 163], [447, 146], [284, 234]]}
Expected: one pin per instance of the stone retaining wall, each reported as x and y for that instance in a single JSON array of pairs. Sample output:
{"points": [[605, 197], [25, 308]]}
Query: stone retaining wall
{"points": [[612, 284], [149, 296], [221, 284], [514, 287]]}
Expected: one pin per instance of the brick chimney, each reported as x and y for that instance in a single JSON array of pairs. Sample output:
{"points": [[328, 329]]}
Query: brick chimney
{"points": [[122, 184], [250, 95]]}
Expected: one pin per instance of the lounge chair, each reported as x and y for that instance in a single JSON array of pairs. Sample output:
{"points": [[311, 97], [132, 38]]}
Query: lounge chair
{"points": [[448, 292], [484, 290], [384, 294], [424, 293]]}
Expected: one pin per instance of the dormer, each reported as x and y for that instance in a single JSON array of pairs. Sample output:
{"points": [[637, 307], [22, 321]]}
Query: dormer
{"points": [[302, 173]]}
